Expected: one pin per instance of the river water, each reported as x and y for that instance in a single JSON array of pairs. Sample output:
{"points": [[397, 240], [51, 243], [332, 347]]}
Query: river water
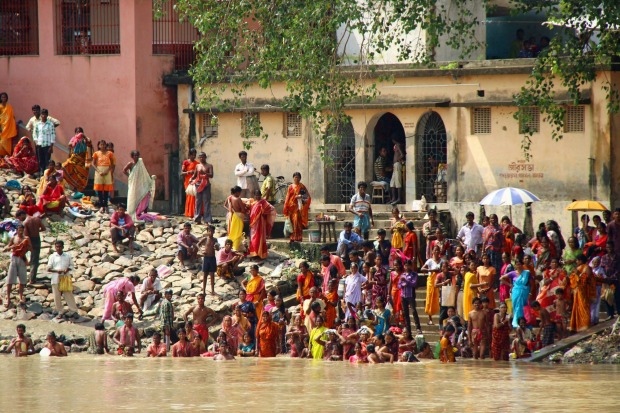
{"points": [[109, 384]]}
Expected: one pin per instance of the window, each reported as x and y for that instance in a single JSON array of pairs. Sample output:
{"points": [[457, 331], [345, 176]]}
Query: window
{"points": [[574, 120], [481, 121], [171, 36], [19, 28], [207, 125], [87, 27], [530, 120], [250, 124], [292, 125]]}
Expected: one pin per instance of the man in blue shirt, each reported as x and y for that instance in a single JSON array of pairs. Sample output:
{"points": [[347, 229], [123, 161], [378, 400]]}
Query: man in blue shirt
{"points": [[348, 241]]}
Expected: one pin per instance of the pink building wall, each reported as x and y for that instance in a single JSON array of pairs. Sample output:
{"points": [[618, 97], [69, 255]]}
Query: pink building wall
{"points": [[119, 98]]}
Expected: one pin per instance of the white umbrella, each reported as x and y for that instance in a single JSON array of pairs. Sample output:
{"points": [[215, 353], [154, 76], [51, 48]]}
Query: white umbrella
{"points": [[509, 196]]}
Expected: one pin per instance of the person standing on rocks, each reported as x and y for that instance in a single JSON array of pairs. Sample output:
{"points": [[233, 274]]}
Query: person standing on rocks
{"points": [[200, 317], [32, 228], [246, 180], [126, 285], [166, 317], [19, 245], [59, 264], [209, 262], [203, 173]]}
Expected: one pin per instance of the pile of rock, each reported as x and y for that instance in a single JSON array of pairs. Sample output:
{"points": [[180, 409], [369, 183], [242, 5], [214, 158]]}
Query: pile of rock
{"points": [[96, 264]]}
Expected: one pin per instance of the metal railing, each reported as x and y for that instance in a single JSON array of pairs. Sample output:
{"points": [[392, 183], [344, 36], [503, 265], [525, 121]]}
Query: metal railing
{"points": [[173, 37], [19, 28], [87, 27]]}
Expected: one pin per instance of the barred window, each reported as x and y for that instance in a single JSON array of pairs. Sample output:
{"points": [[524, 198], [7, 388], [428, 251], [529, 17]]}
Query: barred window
{"points": [[250, 124], [19, 28], [87, 27], [481, 121], [530, 120], [574, 120], [292, 125], [173, 36], [207, 125]]}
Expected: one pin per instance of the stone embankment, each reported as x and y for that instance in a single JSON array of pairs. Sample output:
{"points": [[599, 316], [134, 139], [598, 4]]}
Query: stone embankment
{"points": [[96, 264]]}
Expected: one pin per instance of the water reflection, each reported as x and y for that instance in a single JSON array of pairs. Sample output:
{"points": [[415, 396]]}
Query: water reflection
{"points": [[84, 383]]}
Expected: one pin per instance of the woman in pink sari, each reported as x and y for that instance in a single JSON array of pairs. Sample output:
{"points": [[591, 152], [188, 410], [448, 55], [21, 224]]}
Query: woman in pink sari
{"points": [[234, 334], [125, 284], [262, 217], [553, 278]]}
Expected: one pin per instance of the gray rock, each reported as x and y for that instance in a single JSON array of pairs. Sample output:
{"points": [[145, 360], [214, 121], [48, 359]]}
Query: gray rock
{"points": [[158, 232], [124, 262], [80, 286], [35, 308], [107, 258]]}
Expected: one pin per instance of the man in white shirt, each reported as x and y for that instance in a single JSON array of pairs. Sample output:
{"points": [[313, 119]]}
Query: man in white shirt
{"points": [[470, 234], [151, 290], [36, 112], [246, 180], [59, 264], [353, 289]]}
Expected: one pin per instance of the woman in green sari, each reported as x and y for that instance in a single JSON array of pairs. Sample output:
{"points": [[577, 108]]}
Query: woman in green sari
{"points": [[569, 257]]}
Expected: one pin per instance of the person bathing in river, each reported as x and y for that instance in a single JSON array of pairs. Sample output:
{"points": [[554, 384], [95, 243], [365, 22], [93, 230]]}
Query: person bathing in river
{"points": [[201, 314]]}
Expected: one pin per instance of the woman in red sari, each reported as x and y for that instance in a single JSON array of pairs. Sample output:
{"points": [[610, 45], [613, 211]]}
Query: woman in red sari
{"points": [[24, 160], [262, 217], [553, 278], [394, 298], [53, 198], [296, 207], [267, 334], [187, 171]]}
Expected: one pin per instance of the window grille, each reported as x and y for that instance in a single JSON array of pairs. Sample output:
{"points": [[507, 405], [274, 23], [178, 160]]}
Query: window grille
{"points": [[250, 124], [87, 27], [530, 120], [174, 37], [481, 122], [19, 28], [575, 119], [208, 126], [292, 126]]}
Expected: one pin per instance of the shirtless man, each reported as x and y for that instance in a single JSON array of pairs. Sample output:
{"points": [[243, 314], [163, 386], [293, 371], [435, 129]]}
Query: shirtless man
{"points": [[207, 246], [127, 338], [202, 179], [373, 357], [56, 349], [547, 326], [200, 314], [22, 345], [224, 353], [32, 229], [18, 245], [477, 329], [156, 348], [121, 307]]}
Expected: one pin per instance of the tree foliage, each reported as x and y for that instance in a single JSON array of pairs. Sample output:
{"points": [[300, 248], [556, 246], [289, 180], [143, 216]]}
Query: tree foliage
{"points": [[300, 44]]}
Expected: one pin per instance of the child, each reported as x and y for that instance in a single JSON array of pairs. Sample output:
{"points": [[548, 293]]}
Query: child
{"points": [[98, 340], [561, 313], [523, 344], [425, 352], [547, 326], [246, 347], [166, 317], [209, 263], [359, 356], [447, 352], [382, 317], [489, 315]]}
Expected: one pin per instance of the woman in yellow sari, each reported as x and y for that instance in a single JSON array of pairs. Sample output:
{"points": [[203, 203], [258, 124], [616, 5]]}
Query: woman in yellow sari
{"points": [[76, 167], [316, 348], [8, 127], [432, 266], [583, 286], [255, 290], [50, 171], [296, 206], [104, 163], [237, 213]]}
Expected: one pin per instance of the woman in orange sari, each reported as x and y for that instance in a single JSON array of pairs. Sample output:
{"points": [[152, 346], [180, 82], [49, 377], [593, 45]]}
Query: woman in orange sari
{"points": [[76, 167], [583, 285], [255, 290], [267, 334], [296, 206], [187, 171], [24, 159], [262, 217], [104, 163], [487, 275], [8, 127]]}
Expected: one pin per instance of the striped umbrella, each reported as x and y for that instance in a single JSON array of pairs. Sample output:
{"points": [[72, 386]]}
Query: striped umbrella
{"points": [[509, 196]]}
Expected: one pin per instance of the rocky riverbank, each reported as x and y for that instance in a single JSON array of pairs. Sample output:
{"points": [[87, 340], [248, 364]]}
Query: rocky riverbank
{"points": [[96, 264], [603, 348]]}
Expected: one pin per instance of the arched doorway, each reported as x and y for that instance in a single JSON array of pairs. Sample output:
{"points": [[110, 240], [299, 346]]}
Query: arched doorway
{"points": [[340, 167], [431, 158], [387, 130]]}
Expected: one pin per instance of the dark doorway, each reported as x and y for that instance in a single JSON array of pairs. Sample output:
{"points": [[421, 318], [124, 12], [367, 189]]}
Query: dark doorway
{"points": [[387, 130], [431, 158], [340, 168]]}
